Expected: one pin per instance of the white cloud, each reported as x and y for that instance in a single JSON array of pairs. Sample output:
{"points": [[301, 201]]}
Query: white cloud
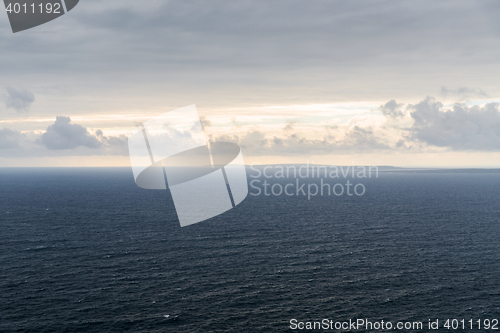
{"points": [[62, 138], [350, 140], [475, 128], [64, 135]]}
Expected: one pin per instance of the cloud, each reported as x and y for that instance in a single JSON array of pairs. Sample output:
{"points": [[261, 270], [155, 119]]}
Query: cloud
{"points": [[261, 52], [64, 135], [400, 144], [113, 145], [416, 128], [9, 138], [354, 139], [19, 99], [61, 139], [359, 138], [205, 122], [463, 93], [290, 125], [392, 109], [459, 128]]}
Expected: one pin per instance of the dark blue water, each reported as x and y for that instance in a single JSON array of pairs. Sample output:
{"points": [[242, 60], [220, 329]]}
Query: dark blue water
{"points": [[85, 250]]}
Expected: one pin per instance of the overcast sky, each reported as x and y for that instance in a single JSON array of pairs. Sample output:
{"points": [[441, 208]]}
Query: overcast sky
{"points": [[405, 83]]}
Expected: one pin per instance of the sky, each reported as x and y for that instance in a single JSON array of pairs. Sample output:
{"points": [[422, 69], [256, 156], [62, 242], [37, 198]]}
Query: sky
{"points": [[401, 83]]}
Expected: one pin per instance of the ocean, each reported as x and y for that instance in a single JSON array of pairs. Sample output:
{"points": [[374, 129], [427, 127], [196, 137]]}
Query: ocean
{"points": [[86, 250]]}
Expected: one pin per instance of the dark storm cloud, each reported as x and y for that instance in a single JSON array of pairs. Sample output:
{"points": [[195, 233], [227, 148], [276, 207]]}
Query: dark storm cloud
{"points": [[458, 128], [272, 50], [19, 99], [287, 33]]}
